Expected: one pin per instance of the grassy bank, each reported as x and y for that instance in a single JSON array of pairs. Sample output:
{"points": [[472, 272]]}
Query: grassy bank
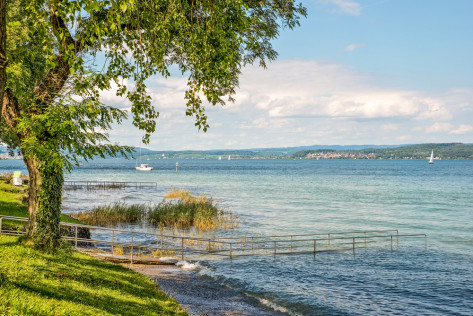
{"points": [[71, 283], [184, 211], [13, 203]]}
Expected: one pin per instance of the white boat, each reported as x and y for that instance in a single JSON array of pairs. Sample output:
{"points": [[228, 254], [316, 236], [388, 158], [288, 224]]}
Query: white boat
{"points": [[431, 161], [219, 158], [228, 157], [144, 167]]}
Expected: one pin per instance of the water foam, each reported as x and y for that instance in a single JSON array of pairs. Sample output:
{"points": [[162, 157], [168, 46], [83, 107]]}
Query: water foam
{"points": [[277, 308], [187, 265]]}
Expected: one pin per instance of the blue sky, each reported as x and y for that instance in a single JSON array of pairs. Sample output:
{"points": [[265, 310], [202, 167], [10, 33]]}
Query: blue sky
{"points": [[355, 72]]}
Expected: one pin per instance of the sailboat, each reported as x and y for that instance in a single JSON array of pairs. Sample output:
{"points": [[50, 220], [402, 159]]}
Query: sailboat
{"points": [[228, 157], [219, 158], [143, 166], [431, 161]]}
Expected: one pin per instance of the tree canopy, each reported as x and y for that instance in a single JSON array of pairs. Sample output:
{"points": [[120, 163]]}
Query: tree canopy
{"points": [[56, 56]]}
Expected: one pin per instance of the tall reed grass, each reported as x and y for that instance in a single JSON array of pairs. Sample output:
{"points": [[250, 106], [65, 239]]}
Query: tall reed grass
{"points": [[113, 214], [185, 211]]}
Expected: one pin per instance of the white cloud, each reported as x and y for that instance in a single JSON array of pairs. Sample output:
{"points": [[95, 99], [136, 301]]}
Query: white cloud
{"points": [[299, 88], [439, 127], [110, 97], [462, 129], [352, 47], [390, 127], [296, 102], [344, 6]]}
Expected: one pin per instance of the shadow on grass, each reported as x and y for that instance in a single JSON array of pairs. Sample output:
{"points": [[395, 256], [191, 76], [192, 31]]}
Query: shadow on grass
{"points": [[103, 302], [100, 276]]}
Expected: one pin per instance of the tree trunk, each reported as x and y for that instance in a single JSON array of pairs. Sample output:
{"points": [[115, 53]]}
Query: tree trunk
{"points": [[44, 203]]}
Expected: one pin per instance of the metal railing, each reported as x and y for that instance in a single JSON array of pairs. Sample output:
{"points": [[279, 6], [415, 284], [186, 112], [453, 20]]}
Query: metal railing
{"points": [[103, 185], [136, 246]]}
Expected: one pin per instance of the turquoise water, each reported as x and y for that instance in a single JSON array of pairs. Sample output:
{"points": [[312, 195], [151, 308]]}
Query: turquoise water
{"points": [[309, 196]]}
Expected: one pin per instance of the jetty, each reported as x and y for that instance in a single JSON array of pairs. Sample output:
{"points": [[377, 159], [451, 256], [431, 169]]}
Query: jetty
{"points": [[141, 247], [106, 185]]}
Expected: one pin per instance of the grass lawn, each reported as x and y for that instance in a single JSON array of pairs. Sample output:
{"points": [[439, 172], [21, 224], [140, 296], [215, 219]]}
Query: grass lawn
{"points": [[68, 282], [11, 204], [71, 283]]}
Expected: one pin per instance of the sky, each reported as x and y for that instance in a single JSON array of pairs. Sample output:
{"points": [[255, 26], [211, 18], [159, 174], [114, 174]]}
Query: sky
{"points": [[382, 72]]}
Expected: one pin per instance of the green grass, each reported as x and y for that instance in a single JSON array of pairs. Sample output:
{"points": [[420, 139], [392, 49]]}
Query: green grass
{"points": [[71, 283], [12, 204]]}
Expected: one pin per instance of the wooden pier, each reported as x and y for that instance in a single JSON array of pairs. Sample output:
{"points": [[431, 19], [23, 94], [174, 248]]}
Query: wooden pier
{"points": [[106, 185]]}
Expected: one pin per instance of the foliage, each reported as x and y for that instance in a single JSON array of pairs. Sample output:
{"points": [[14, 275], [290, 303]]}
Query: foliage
{"points": [[71, 283], [419, 151], [62, 54]]}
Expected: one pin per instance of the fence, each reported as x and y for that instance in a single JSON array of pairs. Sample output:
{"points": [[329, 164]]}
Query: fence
{"points": [[137, 246]]}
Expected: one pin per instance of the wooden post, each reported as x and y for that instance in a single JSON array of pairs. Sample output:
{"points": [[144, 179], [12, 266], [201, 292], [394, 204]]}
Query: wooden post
{"points": [[1, 228], [353, 245], [131, 252], [329, 241], [291, 243], [182, 248], [113, 241], [230, 250], [391, 243], [274, 248], [76, 237]]}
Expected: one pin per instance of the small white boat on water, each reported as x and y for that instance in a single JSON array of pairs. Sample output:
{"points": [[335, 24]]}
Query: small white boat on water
{"points": [[431, 161], [144, 167], [229, 157]]}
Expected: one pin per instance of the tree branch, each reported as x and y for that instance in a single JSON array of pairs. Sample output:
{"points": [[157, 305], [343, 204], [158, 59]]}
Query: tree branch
{"points": [[56, 78]]}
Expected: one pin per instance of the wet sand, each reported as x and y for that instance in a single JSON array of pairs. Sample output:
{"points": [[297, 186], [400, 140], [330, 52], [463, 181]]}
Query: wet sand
{"points": [[200, 296]]}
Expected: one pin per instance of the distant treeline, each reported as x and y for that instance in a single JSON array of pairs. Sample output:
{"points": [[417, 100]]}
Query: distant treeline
{"points": [[420, 151]]}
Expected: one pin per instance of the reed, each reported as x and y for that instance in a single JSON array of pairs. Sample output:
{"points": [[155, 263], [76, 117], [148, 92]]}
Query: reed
{"points": [[118, 251], [185, 211], [113, 214]]}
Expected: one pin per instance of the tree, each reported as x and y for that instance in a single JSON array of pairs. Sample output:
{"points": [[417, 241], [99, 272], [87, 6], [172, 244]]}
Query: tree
{"points": [[56, 56]]}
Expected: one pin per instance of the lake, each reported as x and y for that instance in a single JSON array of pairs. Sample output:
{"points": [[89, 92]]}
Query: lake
{"points": [[321, 196]]}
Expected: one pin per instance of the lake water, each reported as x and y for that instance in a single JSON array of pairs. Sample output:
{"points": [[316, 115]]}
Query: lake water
{"points": [[321, 196]]}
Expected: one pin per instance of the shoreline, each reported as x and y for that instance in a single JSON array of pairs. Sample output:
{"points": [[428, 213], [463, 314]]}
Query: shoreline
{"points": [[200, 296]]}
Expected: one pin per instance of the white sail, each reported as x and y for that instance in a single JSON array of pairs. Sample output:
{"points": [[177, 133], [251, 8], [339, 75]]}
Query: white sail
{"points": [[431, 161]]}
